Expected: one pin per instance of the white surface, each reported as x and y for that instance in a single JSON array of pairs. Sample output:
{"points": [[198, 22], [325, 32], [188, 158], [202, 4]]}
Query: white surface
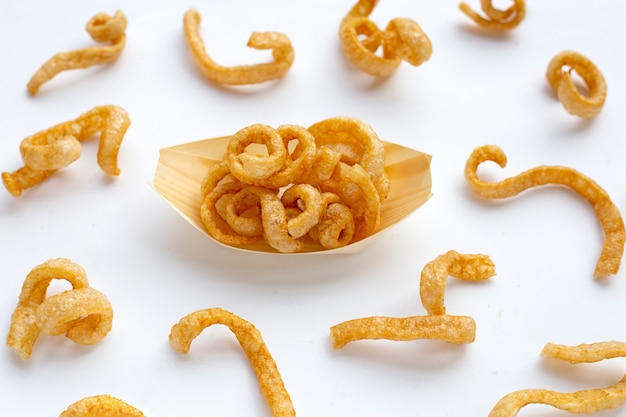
{"points": [[155, 268]]}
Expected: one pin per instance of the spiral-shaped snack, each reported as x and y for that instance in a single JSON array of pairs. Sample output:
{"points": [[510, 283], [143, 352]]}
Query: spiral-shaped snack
{"points": [[101, 406], [497, 20]]}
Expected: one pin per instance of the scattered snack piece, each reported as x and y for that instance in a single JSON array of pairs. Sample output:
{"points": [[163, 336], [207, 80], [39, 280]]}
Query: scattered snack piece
{"points": [[83, 314], [50, 150], [608, 214], [435, 325], [579, 402], [101, 28], [497, 20], [289, 184], [435, 273], [402, 39], [249, 337], [101, 406], [282, 52], [559, 76]]}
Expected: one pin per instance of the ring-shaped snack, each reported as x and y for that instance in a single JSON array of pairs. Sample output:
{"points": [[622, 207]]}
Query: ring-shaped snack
{"points": [[497, 20]]}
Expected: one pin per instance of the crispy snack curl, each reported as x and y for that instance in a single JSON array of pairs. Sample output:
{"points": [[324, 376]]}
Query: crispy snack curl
{"points": [[52, 149], [249, 337], [282, 52], [579, 402], [608, 214], [83, 314], [101, 406], [436, 324], [560, 80], [497, 20], [101, 28], [402, 39]]}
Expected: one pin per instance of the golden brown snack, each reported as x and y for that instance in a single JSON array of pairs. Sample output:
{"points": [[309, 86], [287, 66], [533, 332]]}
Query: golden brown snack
{"points": [[282, 52], [402, 39], [608, 214], [579, 402], [497, 20], [52, 149], [560, 80], [462, 266], [101, 28], [82, 313], [101, 406], [249, 337]]}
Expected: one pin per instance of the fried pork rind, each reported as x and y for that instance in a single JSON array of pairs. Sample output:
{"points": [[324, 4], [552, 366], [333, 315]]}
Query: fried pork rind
{"points": [[83, 314], [101, 28], [249, 337], [608, 214], [101, 406], [497, 20], [560, 80], [289, 184], [282, 53], [436, 324], [402, 40], [579, 402], [52, 149]]}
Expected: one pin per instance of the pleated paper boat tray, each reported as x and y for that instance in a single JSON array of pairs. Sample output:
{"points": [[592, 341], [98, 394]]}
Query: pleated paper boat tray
{"points": [[181, 168]]}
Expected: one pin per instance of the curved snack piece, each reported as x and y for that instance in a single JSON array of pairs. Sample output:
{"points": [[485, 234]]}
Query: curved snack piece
{"points": [[282, 52], [82, 313], [52, 149], [402, 39], [579, 402], [101, 406], [560, 80], [608, 214], [435, 273], [101, 28], [270, 381], [497, 20]]}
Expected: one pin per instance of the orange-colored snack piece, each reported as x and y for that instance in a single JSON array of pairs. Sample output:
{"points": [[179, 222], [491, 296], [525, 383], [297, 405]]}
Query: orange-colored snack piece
{"points": [[608, 214], [497, 20], [52, 149], [101, 406], [101, 28], [560, 80], [282, 52], [402, 40], [249, 337]]}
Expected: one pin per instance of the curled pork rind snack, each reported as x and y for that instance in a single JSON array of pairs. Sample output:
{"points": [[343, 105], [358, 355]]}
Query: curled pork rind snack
{"points": [[101, 406], [608, 214], [324, 183], [57, 147], [282, 53], [83, 314], [497, 20], [402, 40], [249, 337], [101, 28], [579, 402], [560, 80], [436, 324]]}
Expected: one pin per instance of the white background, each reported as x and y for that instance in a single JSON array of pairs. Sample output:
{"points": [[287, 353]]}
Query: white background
{"points": [[156, 268]]}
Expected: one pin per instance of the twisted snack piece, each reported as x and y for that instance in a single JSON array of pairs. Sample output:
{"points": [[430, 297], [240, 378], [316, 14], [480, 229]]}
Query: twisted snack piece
{"points": [[462, 266], [282, 52], [402, 39], [82, 313], [101, 28], [436, 324], [608, 214], [579, 402], [561, 83], [497, 20], [249, 337], [101, 406], [52, 149]]}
